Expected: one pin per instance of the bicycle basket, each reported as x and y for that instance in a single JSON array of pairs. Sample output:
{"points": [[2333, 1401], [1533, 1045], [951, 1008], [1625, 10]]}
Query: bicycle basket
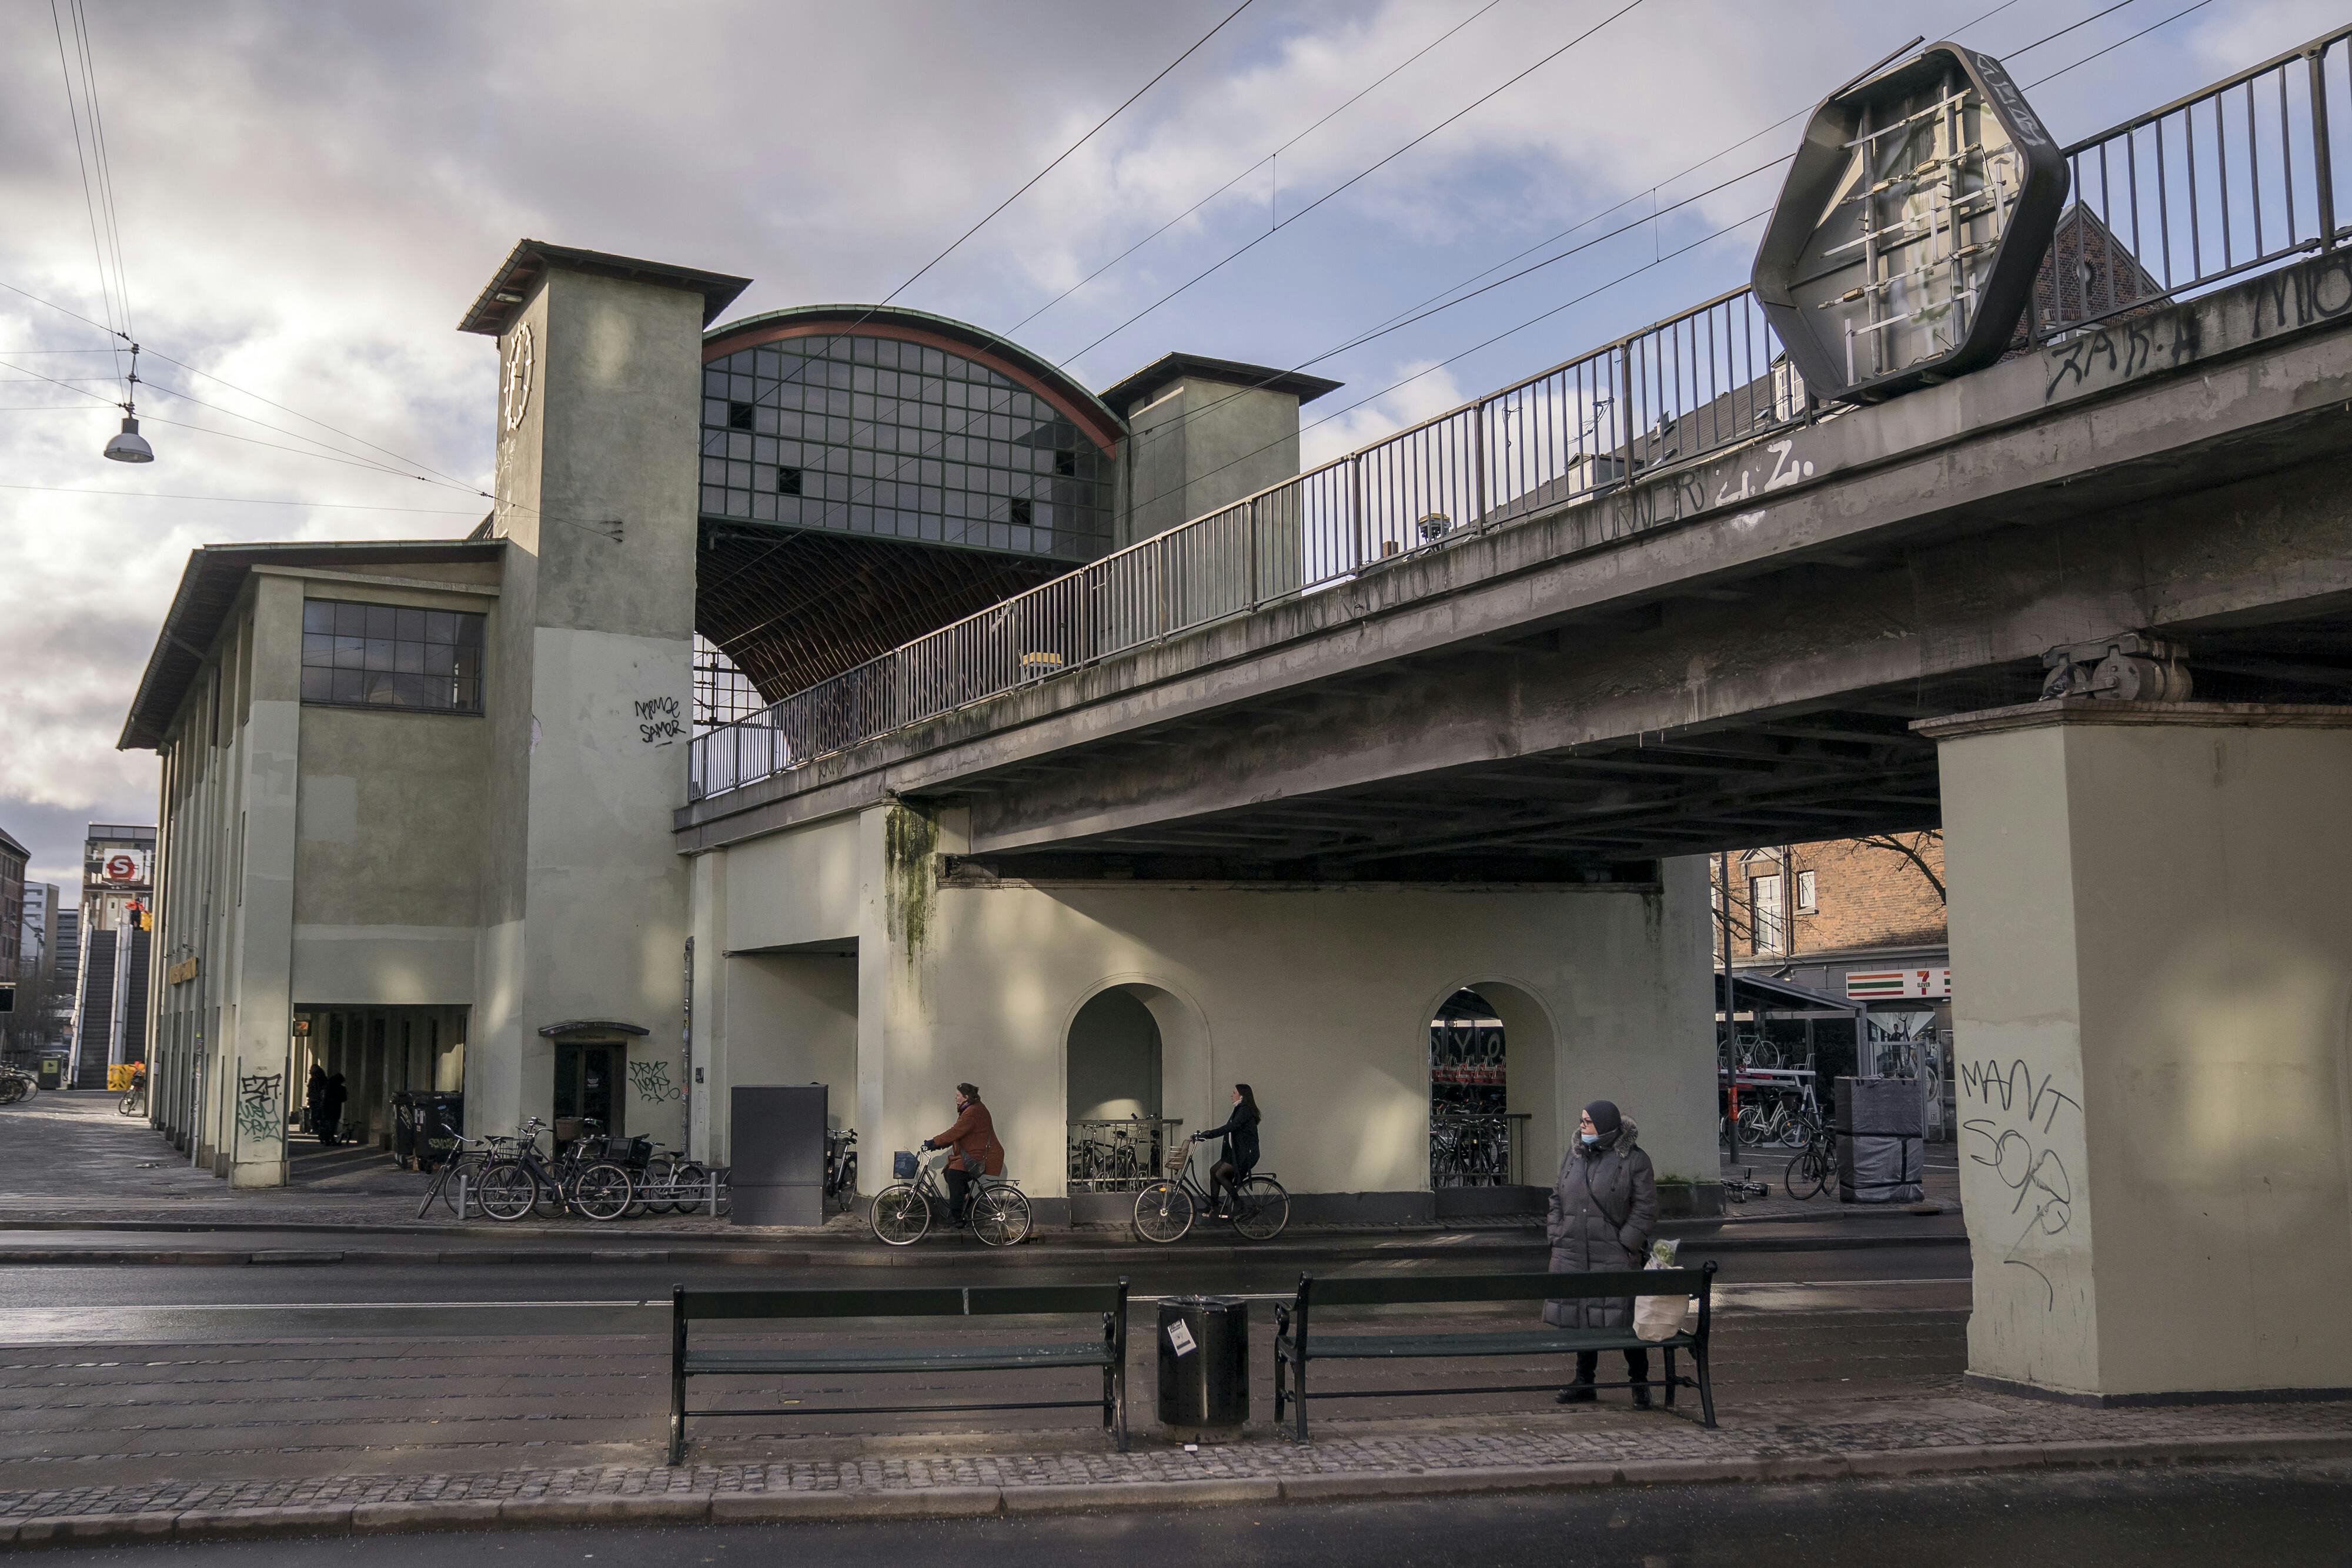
{"points": [[902, 1165], [1178, 1158]]}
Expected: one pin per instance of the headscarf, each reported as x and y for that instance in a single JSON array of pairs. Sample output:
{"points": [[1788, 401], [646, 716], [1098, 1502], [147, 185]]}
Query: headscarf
{"points": [[1605, 1117]]}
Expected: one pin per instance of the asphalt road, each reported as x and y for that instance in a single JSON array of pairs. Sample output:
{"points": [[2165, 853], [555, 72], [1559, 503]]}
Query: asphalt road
{"points": [[2096, 1519]]}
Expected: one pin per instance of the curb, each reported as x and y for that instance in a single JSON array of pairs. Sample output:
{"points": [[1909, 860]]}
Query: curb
{"points": [[507, 1257], [977, 1502]]}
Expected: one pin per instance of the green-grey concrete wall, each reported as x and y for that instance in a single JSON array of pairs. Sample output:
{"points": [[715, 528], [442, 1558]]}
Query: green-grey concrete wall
{"points": [[2155, 1102], [585, 905], [1319, 997], [1203, 444]]}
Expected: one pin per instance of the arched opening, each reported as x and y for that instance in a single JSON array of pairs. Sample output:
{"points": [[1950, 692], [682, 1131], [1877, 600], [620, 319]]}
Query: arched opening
{"points": [[1494, 1120], [1114, 1076]]}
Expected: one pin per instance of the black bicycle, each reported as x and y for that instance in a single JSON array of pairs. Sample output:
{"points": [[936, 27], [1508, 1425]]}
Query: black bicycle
{"points": [[595, 1188], [1164, 1211], [1811, 1171], [841, 1168]]}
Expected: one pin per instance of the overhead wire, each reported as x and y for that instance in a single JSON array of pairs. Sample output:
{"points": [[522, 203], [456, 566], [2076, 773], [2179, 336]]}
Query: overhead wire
{"points": [[88, 193], [1246, 173], [240, 500], [2119, 42], [839, 333], [1395, 323], [1581, 298], [1353, 180]]}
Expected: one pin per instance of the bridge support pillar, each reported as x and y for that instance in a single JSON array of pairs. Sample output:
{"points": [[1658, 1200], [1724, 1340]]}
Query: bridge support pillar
{"points": [[2152, 943]]}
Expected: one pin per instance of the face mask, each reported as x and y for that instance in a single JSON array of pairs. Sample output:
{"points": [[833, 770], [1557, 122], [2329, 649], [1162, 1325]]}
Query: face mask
{"points": [[1589, 1137]]}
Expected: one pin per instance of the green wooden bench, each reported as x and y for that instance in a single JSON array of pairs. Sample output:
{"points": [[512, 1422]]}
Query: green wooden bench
{"points": [[1107, 1351], [1297, 1344]]}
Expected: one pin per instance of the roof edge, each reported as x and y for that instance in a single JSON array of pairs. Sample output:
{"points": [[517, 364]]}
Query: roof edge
{"points": [[511, 286], [1176, 364], [1110, 426]]}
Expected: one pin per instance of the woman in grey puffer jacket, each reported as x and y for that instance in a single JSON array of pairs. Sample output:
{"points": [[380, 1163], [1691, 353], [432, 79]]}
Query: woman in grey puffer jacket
{"points": [[1603, 1209]]}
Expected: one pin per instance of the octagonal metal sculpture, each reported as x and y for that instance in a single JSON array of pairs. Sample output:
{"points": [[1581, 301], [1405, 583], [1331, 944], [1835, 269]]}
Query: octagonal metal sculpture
{"points": [[1911, 226]]}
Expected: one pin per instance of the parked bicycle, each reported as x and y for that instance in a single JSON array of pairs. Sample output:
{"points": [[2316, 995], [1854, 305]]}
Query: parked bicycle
{"points": [[134, 1098], [669, 1180], [1811, 1171], [905, 1211], [595, 1188], [468, 1158], [1164, 1211], [1469, 1151], [840, 1168], [16, 1084], [1782, 1119]]}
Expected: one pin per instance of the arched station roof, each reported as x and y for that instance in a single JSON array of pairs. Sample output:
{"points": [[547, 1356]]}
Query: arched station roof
{"points": [[1040, 376]]}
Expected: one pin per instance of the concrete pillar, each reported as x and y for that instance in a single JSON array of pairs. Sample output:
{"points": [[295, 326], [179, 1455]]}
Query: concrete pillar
{"points": [[2153, 955], [263, 894], [590, 690]]}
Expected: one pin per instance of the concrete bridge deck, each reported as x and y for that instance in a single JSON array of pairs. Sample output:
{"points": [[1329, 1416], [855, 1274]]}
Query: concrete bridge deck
{"points": [[1723, 652]]}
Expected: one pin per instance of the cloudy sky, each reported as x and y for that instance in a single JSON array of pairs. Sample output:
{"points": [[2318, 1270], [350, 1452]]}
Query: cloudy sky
{"points": [[308, 194]]}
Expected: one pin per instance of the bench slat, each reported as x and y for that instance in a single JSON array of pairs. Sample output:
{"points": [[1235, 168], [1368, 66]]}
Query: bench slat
{"points": [[879, 1358], [902, 1301], [1560, 1342], [1352, 1290]]}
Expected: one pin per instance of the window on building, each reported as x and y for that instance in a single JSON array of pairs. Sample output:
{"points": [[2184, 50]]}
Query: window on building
{"points": [[1808, 902], [788, 481], [898, 440], [385, 656], [1767, 934]]}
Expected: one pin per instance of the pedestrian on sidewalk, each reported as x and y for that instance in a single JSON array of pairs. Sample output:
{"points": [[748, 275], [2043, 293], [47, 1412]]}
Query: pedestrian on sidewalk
{"points": [[977, 1153], [313, 1093], [331, 1110], [1603, 1209]]}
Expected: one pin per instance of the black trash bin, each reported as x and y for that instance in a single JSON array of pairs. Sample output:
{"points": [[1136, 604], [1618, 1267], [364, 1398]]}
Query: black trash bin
{"points": [[1203, 1368], [403, 1127], [440, 1117]]}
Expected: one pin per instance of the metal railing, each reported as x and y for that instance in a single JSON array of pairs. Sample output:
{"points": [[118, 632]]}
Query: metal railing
{"points": [[1121, 1156], [2235, 177], [1470, 1149], [2238, 176]]}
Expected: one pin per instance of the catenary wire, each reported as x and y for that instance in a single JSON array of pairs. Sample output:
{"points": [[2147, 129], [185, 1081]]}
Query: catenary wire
{"points": [[1246, 173], [1193, 415], [2119, 42], [240, 500], [1350, 181], [81, 163]]}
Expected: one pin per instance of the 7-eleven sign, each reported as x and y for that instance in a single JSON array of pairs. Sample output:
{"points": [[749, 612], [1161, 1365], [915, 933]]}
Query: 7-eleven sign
{"points": [[1870, 985]]}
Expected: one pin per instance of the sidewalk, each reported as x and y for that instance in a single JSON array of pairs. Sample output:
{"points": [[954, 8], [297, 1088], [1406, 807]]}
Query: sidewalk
{"points": [[1942, 1436], [69, 1162]]}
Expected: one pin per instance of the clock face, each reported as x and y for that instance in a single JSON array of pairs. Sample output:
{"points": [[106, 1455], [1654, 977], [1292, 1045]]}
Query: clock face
{"points": [[516, 392]]}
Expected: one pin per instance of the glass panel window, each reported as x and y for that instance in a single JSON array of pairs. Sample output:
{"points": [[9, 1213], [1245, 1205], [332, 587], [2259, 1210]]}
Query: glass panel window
{"points": [[387, 655], [891, 414]]}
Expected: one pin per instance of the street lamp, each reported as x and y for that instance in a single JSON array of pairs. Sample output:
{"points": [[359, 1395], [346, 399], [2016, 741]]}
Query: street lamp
{"points": [[128, 445]]}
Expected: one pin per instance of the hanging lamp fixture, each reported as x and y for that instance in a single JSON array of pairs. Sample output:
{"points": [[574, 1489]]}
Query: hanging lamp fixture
{"points": [[128, 445]]}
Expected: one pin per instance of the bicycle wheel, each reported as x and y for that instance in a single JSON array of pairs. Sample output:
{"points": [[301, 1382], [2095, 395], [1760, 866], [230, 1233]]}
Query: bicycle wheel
{"points": [[507, 1192], [845, 1193], [1000, 1217], [1163, 1212], [901, 1217], [1263, 1208], [1805, 1177], [603, 1191], [1796, 1133], [1749, 1128]]}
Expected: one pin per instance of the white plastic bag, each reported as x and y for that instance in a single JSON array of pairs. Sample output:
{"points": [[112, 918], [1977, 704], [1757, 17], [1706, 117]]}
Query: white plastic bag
{"points": [[1659, 1318]]}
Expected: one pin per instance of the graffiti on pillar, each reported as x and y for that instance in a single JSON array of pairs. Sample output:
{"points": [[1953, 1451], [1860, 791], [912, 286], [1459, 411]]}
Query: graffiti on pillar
{"points": [[2014, 1139], [257, 1099], [651, 1081], [659, 721]]}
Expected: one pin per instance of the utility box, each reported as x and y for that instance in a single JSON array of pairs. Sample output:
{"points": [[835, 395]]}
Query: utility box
{"points": [[776, 1135], [1881, 1128]]}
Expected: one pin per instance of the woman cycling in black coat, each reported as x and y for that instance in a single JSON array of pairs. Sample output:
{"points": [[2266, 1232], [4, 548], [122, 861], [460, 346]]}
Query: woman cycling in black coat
{"points": [[1239, 1156]]}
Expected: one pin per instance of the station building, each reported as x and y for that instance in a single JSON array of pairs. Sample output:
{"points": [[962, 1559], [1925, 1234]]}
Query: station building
{"points": [[419, 797]]}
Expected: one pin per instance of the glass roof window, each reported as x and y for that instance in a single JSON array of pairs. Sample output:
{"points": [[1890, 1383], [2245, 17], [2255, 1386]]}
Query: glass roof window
{"points": [[889, 439]]}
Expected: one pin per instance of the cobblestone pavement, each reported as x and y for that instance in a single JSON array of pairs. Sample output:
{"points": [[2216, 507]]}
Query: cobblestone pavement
{"points": [[1947, 1423]]}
